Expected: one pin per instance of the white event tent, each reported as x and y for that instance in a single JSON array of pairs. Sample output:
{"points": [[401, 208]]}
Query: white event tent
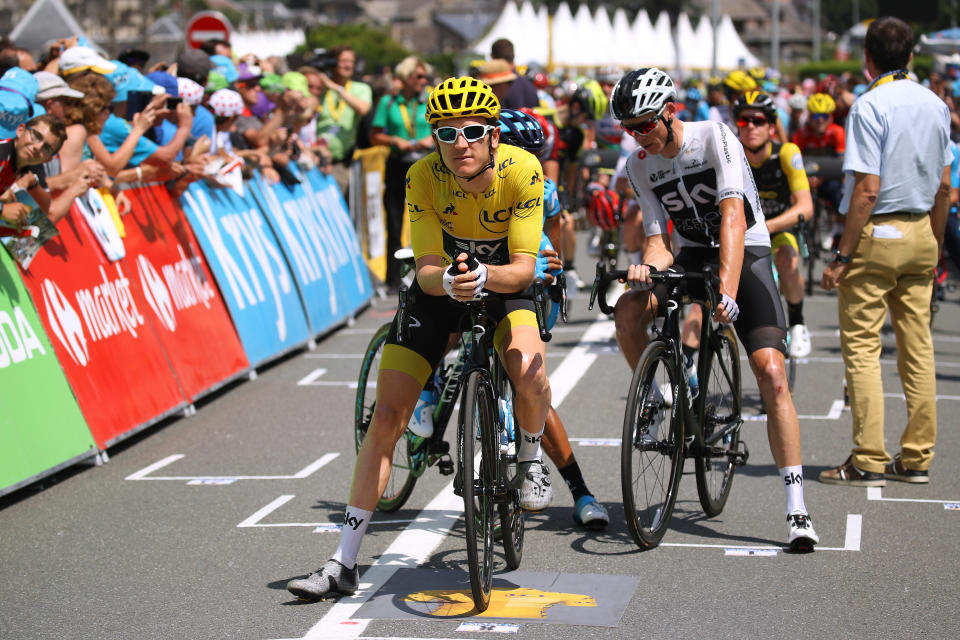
{"points": [[585, 40]]}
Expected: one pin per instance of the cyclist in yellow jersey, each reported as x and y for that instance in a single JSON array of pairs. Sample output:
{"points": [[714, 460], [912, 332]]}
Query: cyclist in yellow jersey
{"points": [[471, 195], [784, 196]]}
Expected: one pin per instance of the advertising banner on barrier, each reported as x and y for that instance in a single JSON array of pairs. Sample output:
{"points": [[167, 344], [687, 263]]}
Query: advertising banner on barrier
{"points": [[325, 259], [250, 269], [321, 187], [40, 423], [191, 320], [97, 319]]}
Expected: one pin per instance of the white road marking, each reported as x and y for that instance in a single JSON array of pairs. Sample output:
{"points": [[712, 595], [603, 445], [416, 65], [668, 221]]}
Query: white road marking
{"points": [[253, 520], [902, 397], [851, 541], [566, 376], [311, 377], [876, 493], [139, 475], [303, 473]]}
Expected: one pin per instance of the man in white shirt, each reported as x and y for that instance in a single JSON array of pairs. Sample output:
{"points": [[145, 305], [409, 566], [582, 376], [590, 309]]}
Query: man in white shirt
{"points": [[896, 197]]}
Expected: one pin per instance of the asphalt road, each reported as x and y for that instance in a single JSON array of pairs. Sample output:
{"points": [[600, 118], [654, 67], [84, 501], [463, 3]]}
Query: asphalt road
{"points": [[193, 529]]}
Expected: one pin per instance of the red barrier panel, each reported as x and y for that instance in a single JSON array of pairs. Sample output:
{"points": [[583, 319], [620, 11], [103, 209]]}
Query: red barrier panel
{"points": [[97, 319], [190, 318]]}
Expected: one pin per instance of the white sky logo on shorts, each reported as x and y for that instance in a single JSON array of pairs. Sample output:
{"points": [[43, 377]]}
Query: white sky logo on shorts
{"points": [[156, 293]]}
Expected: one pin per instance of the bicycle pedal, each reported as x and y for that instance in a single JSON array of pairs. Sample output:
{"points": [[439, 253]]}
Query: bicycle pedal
{"points": [[738, 457], [445, 466]]}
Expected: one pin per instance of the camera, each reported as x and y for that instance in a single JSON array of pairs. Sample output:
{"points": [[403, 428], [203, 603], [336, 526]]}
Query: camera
{"points": [[322, 61]]}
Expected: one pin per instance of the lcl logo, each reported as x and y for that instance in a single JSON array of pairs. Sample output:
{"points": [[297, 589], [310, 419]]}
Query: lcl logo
{"points": [[156, 293], [65, 323]]}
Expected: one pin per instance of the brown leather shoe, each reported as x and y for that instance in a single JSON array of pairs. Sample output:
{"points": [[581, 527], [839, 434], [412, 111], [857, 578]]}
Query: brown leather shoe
{"points": [[896, 471], [849, 475]]}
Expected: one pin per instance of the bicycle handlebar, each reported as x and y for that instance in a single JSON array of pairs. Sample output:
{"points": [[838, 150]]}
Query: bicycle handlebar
{"points": [[603, 279]]}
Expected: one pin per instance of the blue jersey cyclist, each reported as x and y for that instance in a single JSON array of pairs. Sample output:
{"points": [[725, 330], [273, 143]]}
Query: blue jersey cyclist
{"points": [[475, 195]]}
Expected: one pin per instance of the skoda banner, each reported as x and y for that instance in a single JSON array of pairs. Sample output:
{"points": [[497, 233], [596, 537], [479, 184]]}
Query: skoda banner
{"points": [[191, 320], [40, 422], [250, 269], [97, 319]]}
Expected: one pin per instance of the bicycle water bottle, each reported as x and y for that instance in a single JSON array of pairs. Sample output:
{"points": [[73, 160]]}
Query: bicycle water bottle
{"points": [[506, 423]]}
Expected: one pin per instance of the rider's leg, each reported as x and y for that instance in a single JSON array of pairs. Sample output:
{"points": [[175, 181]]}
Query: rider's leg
{"points": [[397, 393], [632, 314], [523, 355], [556, 444], [783, 426]]}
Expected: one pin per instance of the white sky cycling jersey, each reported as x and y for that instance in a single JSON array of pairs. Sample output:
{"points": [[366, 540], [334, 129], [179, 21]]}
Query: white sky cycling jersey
{"points": [[710, 167]]}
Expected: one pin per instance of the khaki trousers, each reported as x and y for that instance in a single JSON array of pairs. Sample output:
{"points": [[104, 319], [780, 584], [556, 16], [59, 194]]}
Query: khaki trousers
{"points": [[896, 274]]}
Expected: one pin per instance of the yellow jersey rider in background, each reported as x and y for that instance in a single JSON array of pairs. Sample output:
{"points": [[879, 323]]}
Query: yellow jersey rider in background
{"points": [[471, 195], [784, 196]]}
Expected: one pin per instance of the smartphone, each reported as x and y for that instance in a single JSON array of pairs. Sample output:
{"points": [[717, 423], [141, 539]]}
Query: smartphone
{"points": [[172, 103], [137, 101]]}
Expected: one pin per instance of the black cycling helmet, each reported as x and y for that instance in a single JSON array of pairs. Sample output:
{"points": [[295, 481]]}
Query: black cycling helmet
{"points": [[756, 100], [642, 92], [521, 130]]}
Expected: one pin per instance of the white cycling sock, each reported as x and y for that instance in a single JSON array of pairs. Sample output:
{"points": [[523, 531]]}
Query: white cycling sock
{"points": [[529, 448], [355, 522], [793, 484]]}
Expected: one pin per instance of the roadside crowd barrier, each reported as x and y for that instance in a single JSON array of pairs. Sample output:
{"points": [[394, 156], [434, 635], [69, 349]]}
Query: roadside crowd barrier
{"points": [[93, 350]]}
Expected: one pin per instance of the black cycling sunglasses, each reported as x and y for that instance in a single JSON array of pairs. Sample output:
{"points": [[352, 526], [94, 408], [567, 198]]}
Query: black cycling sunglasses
{"points": [[471, 133], [756, 121]]}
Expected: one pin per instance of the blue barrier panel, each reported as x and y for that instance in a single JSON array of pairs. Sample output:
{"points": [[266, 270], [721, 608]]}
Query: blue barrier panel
{"points": [[250, 270], [322, 188], [325, 261]]}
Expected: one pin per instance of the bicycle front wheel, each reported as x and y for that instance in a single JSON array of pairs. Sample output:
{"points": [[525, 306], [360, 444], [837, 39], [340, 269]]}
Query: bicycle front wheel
{"points": [[651, 453], [402, 479], [721, 413], [479, 446], [512, 516]]}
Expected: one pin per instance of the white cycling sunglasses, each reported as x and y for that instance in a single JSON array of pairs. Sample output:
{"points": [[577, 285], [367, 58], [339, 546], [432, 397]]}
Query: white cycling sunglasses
{"points": [[471, 133]]}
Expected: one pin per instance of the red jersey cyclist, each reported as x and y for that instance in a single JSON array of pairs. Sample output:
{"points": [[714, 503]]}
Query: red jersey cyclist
{"points": [[471, 195]]}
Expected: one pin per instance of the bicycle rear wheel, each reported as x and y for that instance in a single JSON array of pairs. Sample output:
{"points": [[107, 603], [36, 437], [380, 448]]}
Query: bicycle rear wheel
{"points": [[402, 478], [721, 409], [651, 453], [477, 434]]}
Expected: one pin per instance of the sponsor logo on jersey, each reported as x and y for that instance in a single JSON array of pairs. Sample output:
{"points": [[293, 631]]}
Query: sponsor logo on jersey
{"points": [[413, 208], [490, 194], [498, 218], [536, 178], [528, 208], [724, 143], [450, 210], [503, 165], [656, 176], [796, 162], [494, 251], [691, 201], [408, 182], [459, 194]]}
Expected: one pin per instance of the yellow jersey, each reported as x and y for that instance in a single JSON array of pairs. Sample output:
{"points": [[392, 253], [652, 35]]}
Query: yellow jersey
{"points": [[506, 219]]}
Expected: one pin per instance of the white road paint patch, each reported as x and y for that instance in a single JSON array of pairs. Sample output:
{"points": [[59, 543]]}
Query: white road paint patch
{"points": [[836, 410], [758, 552], [566, 376], [851, 541], [876, 493], [489, 627], [597, 442], [212, 481], [306, 472], [311, 377]]}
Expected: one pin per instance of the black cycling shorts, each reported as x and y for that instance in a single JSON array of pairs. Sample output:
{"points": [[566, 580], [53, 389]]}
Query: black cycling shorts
{"points": [[761, 323], [431, 320]]}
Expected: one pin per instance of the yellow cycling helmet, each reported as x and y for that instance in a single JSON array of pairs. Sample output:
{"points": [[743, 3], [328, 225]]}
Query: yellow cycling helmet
{"points": [[821, 103], [739, 81], [460, 98]]}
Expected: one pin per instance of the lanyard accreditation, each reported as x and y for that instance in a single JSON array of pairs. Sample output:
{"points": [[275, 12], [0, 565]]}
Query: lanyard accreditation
{"points": [[335, 106], [889, 76]]}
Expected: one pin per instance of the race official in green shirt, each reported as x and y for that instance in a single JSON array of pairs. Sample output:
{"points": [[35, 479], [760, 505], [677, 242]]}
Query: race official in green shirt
{"points": [[400, 123]]}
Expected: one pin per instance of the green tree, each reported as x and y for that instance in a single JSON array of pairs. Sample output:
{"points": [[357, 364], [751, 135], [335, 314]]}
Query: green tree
{"points": [[374, 45]]}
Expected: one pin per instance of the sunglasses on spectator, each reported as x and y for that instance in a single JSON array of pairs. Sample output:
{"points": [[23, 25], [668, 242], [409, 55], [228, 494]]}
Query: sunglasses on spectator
{"points": [[820, 116], [37, 137], [642, 128], [419, 76], [471, 133], [756, 121]]}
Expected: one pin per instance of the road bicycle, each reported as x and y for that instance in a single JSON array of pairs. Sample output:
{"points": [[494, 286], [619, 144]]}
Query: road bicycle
{"points": [[657, 439], [486, 439]]}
